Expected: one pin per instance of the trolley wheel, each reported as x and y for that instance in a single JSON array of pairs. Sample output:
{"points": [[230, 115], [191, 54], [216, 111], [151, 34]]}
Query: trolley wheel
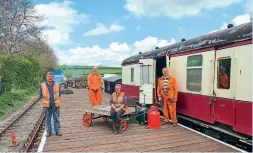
{"points": [[87, 120], [123, 124], [105, 118]]}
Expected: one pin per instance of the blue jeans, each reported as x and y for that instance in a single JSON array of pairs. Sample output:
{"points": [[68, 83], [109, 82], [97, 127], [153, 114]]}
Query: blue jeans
{"points": [[55, 111], [117, 116]]}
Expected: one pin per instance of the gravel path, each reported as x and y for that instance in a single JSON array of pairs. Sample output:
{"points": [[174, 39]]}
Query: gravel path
{"points": [[22, 127]]}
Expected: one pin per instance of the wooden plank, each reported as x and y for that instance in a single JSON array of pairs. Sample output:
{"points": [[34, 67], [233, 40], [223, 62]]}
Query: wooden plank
{"points": [[105, 110], [99, 136]]}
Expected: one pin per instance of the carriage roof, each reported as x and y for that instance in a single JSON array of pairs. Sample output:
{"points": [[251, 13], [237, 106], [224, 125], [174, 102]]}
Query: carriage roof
{"points": [[222, 37]]}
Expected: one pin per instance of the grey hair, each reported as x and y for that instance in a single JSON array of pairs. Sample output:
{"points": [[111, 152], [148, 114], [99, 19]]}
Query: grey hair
{"points": [[165, 68]]}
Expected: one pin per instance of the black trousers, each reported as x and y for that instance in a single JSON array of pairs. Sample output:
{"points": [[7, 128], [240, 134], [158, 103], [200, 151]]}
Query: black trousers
{"points": [[117, 116]]}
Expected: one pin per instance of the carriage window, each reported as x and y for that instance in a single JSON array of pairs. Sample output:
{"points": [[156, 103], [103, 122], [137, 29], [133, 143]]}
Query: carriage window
{"points": [[223, 71], [145, 74], [132, 74], [194, 73]]}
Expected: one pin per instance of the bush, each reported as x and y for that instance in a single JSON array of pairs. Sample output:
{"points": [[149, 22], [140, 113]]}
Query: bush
{"points": [[10, 100]]}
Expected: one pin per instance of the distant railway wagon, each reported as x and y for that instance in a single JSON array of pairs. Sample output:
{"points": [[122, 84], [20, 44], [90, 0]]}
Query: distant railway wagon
{"points": [[58, 76], [214, 74]]}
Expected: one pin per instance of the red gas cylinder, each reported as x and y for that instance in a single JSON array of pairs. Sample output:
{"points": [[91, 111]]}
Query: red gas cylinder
{"points": [[154, 118]]}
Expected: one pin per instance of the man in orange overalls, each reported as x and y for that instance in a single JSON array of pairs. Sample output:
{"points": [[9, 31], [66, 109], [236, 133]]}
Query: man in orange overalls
{"points": [[167, 90], [94, 83]]}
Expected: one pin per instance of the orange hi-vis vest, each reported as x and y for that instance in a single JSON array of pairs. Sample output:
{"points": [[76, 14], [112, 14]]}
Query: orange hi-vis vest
{"points": [[118, 101], [46, 95]]}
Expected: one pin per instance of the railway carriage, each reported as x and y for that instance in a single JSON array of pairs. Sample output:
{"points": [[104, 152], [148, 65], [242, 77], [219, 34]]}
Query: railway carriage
{"points": [[214, 74]]}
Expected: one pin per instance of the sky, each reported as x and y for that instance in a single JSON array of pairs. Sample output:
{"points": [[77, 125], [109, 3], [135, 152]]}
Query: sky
{"points": [[105, 32]]}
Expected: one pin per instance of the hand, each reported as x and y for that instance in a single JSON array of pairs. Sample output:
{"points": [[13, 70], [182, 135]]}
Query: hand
{"points": [[175, 100], [117, 109], [159, 99]]}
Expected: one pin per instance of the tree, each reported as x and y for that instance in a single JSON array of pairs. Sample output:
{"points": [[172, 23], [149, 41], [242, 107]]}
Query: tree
{"points": [[68, 74], [24, 56], [18, 20]]}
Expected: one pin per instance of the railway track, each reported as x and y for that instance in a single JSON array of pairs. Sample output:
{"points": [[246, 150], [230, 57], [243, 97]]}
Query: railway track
{"points": [[26, 125]]}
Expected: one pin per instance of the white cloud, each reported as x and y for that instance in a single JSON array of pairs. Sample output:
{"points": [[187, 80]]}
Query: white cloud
{"points": [[174, 8], [111, 56], [101, 29], [52, 36], [61, 18], [240, 19], [224, 26]]}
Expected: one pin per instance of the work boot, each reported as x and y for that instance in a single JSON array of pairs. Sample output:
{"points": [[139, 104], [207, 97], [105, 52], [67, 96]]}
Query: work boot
{"points": [[165, 122], [120, 129], [174, 124], [48, 134], [58, 133], [115, 132]]}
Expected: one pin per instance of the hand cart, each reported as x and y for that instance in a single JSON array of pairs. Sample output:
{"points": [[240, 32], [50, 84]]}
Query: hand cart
{"points": [[103, 111]]}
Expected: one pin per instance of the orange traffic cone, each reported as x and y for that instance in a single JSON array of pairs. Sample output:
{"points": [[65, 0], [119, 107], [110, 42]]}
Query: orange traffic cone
{"points": [[13, 140]]}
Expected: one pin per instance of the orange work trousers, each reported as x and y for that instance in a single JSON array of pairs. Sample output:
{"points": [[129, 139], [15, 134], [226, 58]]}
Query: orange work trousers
{"points": [[95, 97], [171, 107]]}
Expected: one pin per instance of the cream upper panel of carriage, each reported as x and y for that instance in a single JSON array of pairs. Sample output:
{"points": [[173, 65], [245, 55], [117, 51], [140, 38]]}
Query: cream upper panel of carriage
{"points": [[131, 74], [194, 72], [243, 72]]}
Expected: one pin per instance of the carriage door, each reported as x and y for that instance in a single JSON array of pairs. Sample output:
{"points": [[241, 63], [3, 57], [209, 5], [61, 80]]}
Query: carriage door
{"points": [[146, 81], [223, 83]]}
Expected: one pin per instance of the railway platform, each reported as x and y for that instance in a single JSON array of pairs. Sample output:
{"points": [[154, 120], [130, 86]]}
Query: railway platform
{"points": [[99, 136]]}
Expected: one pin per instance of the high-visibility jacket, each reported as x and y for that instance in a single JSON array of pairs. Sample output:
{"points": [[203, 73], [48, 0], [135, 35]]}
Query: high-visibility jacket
{"points": [[118, 101], [46, 95], [172, 88]]}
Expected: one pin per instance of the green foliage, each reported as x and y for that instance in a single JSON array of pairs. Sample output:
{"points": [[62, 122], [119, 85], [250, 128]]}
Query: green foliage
{"points": [[68, 74], [12, 99], [19, 73]]}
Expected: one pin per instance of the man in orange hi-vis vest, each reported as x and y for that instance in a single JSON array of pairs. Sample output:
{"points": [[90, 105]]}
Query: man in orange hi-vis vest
{"points": [[50, 95], [167, 91], [95, 88]]}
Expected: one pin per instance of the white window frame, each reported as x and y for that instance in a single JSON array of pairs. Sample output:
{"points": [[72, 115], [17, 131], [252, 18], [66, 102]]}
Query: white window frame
{"points": [[218, 72], [192, 68]]}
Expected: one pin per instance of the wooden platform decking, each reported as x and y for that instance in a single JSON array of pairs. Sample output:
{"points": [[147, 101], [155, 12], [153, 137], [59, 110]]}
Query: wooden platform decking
{"points": [[99, 137]]}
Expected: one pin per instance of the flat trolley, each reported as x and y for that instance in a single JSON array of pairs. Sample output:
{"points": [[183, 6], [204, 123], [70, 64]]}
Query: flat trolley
{"points": [[103, 111]]}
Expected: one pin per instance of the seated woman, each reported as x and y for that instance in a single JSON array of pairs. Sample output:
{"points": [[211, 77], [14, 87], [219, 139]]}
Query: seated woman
{"points": [[118, 106]]}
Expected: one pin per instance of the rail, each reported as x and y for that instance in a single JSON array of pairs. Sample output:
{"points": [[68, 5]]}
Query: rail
{"points": [[33, 134], [34, 129], [20, 115]]}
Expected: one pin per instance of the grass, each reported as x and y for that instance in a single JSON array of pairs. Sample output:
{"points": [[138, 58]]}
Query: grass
{"points": [[79, 71], [14, 99]]}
